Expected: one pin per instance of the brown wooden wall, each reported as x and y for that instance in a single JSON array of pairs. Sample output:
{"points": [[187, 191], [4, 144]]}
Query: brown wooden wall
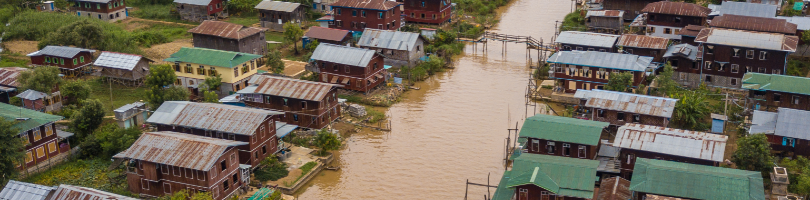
{"points": [[540, 147], [440, 8], [670, 20], [47, 143], [767, 101], [254, 44], [561, 72], [605, 22], [364, 75], [631, 8], [98, 7], [801, 148], [533, 192], [68, 62], [392, 19], [775, 60], [627, 167], [612, 117], [325, 110], [655, 53]]}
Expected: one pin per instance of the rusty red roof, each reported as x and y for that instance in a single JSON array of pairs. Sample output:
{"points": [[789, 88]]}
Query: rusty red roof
{"points": [[643, 41], [288, 87], [8, 76], [367, 4], [677, 8], [178, 149], [321, 33], [691, 30], [225, 29], [615, 188], [71, 192], [750, 23]]}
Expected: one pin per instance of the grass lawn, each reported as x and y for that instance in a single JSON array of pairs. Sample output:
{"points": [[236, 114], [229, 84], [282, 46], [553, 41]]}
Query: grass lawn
{"points": [[85, 173], [274, 36], [161, 12], [121, 95], [245, 19]]}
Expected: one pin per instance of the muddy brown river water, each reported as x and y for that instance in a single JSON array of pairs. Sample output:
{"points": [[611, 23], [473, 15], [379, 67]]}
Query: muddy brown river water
{"points": [[450, 130]]}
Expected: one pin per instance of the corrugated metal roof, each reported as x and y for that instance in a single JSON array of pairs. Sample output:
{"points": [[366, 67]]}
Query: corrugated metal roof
{"points": [[751, 39], [503, 192], [60, 51], [194, 2], [776, 82], [63, 134], [763, 122], [682, 50], [615, 188], [602, 59], [95, 1], [657, 197], [291, 88], [330, 34], [643, 41], [587, 39], [16, 190], [35, 118], [632, 103], [31, 95], [227, 59], [677, 142], [225, 29], [388, 39], [604, 13], [343, 55], [282, 129], [367, 4], [277, 6], [793, 123], [70, 192], [563, 129], [693, 181], [178, 149], [117, 60], [761, 24], [747, 9], [802, 23], [676, 8], [211, 116], [8, 76], [572, 177], [608, 150]]}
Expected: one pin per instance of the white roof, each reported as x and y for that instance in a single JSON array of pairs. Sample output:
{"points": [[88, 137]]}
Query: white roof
{"points": [[587, 39], [763, 122], [628, 102], [740, 38], [671, 141], [802, 23], [603, 59], [117, 60]]}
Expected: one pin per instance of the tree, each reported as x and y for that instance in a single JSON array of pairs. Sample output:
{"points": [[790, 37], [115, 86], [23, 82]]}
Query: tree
{"points": [[11, 147], [75, 91], [109, 140], [88, 118], [665, 81], [274, 62], [620, 82], [326, 141], [292, 33], [798, 173], [806, 36], [82, 34], [176, 93], [271, 170], [691, 110], [313, 44], [210, 88], [42, 79], [753, 153], [160, 77], [186, 195]]}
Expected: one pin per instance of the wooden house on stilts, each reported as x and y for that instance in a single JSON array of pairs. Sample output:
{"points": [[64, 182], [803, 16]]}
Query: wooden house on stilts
{"points": [[121, 68]]}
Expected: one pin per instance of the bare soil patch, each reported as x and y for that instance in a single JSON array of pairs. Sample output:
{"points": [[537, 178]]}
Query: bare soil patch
{"points": [[21, 46], [163, 51]]}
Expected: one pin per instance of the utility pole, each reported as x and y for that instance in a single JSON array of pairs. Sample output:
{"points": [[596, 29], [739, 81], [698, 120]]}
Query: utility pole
{"points": [[112, 107], [725, 110]]}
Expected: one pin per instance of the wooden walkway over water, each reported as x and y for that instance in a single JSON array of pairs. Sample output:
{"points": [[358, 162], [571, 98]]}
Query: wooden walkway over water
{"points": [[531, 42]]}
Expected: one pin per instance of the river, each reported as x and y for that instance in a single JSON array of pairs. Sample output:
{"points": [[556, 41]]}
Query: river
{"points": [[450, 130]]}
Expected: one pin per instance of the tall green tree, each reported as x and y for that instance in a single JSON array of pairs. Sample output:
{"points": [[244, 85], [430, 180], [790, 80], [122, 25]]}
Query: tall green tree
{"points": [[274, 62], [691, 110], [620, 82], [326, 141], [75, 91], [11, 146], [293, 33], [313, 44], [665, 81], [88, 118], [42, 79], [798, 174], [109, 140], [83, 34], [159, 79], [753, 153]]}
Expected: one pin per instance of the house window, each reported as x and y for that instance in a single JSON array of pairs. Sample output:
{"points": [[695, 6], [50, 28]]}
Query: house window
{"points": [[354, 13], [590, 49], [708, 78], [629, 51], [339, 23], [164, 169], [37, 134], [776, 71], [579, 48], [25, 139], [225, 185], [48, 131], [550, 148], [734, 81], [651, 29], [582, 152], [380, 15], [223, 165], [295, 117], [363, 13], [777, 97], [434, 16], [167, 188], [630, 158], [796, 99], [423, 4], [144, 184], [600, 113], [212, 71], [235, 178], [236, 71], [264, 149], [201, 70], [338, 11], [736, 52], [29, 157], [636, 118], [750, 54], [677, 19], [667, 31], [720, 67], [735, 68], [762, 70], [683, 76], [568, 48], [347, 69], [189, 69], [709, 49], [52, 145], [620, 116], [47, 59], [303, 105], [708, 65], [763, 55], [177, 67], [566, 149], [176, 171], [412, 15], [379, 26], [75, 62]]}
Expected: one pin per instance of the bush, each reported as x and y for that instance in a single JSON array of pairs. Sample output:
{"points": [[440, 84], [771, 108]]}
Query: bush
{"points": [[163, 12], [85, 173], [272, 170], [33, 25], [573, 22], [308, 167], [375, 115], [149, 38]]}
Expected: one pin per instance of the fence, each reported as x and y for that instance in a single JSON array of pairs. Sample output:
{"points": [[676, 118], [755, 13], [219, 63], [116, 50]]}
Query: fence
{"points": [[49, 163]]}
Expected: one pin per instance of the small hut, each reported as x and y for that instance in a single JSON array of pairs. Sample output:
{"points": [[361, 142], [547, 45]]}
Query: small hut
{"points": [[125, 69], [273, 14]]}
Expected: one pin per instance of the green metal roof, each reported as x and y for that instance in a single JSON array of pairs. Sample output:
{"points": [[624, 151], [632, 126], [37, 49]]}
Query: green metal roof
{"points": [[563, 129], [503, 192], [212, 57], [695, 181], [35, 118], [565, 176], [775, 82]]}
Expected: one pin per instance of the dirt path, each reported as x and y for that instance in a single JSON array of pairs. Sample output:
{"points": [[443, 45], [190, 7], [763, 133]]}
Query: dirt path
{"points": [[163, 51]]}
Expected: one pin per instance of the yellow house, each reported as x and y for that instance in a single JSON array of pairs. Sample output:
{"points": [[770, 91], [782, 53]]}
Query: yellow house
{"points": [[192, 65]]}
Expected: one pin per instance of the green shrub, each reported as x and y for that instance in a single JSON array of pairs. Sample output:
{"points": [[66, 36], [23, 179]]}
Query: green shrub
{"points": [[272, 170], [32, 25], [351, 98], [573, 22], [308, 167], [375, 115]]}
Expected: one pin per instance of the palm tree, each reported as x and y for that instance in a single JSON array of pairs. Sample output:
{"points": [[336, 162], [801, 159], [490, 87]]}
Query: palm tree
{"points": [[691, 110]]}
